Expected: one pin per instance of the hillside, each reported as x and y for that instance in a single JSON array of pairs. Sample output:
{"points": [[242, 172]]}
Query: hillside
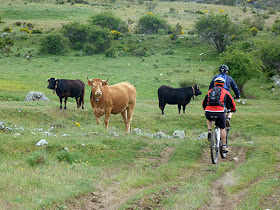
{"points": [[85, 166]]}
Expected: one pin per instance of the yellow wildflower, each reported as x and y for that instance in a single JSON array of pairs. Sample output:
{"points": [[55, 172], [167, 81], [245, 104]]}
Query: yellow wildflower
{"points": [[78, 124]]}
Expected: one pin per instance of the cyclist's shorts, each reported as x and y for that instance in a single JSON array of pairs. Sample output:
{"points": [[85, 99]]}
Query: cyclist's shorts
{"points": [[219, 116]]}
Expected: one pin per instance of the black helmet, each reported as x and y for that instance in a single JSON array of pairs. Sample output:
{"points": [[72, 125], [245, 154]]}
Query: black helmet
{"points": [[223, 68]]}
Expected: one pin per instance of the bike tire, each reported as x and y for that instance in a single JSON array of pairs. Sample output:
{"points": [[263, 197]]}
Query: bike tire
{"points": [[222, 153], [214, 148]]}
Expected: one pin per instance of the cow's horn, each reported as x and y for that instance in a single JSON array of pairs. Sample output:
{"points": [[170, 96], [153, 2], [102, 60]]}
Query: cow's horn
{"points": [[105, 80], [88, 78]]}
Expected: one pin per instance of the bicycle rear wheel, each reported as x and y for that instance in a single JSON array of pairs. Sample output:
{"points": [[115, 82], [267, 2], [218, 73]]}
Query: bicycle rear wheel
{"points": [[223, 154], [214, 149]]}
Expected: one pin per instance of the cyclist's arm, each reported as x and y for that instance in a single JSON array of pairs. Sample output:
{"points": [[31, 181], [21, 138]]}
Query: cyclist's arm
{"points": [[212, 83], [230, 103], [204, 103], [235, 89]]}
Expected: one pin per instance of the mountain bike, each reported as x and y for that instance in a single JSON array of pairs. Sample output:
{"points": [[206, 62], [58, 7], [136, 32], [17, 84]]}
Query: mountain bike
{"points": [[216, 142]]}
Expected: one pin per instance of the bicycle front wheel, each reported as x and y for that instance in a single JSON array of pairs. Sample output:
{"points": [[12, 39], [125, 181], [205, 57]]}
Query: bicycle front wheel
{"points": [[214, 149]]}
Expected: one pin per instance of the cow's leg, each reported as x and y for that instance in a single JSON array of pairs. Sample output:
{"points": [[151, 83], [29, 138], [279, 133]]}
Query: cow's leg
{"points": [[65, 101], [107, 116], [82, 100], [130, 110], [179, 108], [60, 103], [126, 121], [184, 108], [161, 104], [78, 103]]}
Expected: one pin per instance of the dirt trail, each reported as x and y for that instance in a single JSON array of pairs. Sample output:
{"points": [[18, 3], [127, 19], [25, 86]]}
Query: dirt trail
{"points": [[219, 200], [112, 197]]}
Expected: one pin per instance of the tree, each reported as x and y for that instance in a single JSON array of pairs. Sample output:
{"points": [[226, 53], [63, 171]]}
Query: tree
{"points": [[218, 30], [243, 67]]}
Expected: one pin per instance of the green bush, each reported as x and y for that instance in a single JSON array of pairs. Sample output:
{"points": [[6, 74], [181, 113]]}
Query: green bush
{"points": [[53, 43], [108, 20], [218, 37], [36, 158], [71, 157], [150, 24], [276, 27], [76, 33], [100, 37], [243, 67], [36, 31], [89, 48]]}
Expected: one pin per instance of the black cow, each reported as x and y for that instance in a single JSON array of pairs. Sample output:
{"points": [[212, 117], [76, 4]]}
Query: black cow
{"points": [[65, 88], [180, 96]]}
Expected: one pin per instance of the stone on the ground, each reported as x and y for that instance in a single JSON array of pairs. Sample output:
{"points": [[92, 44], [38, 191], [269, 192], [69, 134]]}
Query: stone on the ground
{"points": [[34, 96]]}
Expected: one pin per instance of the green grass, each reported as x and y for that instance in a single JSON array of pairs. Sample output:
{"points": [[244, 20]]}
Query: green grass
{"points": [[33, 177]]}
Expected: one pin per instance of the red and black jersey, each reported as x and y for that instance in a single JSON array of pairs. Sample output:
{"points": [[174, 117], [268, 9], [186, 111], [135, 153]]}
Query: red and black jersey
{"points": [[225, 99]]}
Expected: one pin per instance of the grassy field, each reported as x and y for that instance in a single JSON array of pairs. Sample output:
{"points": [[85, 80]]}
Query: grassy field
{"points": [[84, 166]]}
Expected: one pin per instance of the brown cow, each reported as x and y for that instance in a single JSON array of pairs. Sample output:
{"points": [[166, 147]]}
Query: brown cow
{"points": [[115, 99]]}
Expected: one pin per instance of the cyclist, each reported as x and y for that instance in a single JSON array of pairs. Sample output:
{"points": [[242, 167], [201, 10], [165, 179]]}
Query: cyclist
{"points": [[229, 83], [214, 105]]}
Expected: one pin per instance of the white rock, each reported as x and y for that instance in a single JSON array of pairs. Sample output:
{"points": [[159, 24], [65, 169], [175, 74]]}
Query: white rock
{"points": [[41, 142], [33, 96], [178, 134], [235, 158]]}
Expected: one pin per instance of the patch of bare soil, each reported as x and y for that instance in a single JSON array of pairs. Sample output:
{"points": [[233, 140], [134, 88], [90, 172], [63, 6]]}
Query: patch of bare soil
{"points": [[112, 197], [219, 199]]}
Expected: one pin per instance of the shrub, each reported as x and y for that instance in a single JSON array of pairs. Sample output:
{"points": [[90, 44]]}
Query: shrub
{"points": [[108, 20], [76, 33], [176, 31], [71, 157], [89, 48], [187, 83], [115, 34], [218, 37], [243, 67], [53, 43], [7, 29], [150, 24], [36, 31], [100, 37], [254, 31], [25, 30], [36, 158], [110, 53], [276, 27]]}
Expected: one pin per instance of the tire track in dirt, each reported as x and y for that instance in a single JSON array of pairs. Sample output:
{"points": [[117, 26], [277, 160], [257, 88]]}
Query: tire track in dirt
{"points": [[218, 198], [112, 197]]}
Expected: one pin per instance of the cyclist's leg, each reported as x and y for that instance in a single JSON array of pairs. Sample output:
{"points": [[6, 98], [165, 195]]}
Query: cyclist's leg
{"points": [[223, 135], [209, 122], [221, 123]]}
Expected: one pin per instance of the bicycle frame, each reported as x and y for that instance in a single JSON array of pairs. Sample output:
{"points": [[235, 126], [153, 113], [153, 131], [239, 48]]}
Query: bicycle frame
{"points": [[216, 143]]}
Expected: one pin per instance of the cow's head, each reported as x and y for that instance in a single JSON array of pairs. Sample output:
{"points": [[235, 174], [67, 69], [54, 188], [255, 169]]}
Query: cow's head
{"points": [[196, 91], [52, 83], [96, 86]]}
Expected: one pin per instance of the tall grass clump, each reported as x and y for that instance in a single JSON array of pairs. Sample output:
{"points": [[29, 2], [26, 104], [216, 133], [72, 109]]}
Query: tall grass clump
{"points": [[36, 158]]}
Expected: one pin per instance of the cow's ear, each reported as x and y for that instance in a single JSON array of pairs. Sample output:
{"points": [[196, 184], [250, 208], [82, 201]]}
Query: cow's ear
{"points": [[89, 83], [104, 83]]}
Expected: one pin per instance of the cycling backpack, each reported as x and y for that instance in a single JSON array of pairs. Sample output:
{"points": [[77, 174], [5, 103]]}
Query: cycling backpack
{"points": [[224, 76], [215, 96]]}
